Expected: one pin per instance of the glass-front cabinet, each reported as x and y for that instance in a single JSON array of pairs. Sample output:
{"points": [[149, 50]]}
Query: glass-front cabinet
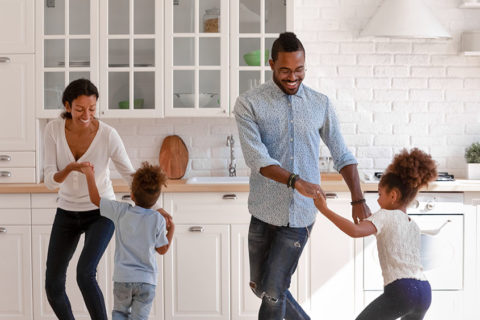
{"points": [[67, 49], [196, 58]]}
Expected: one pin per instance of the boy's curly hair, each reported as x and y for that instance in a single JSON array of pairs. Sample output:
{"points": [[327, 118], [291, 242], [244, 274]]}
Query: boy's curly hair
{"points": [[408, 172], [147, 184]]}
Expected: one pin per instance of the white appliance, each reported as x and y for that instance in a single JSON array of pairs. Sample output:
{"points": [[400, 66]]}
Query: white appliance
{"points": [[442, 253]]}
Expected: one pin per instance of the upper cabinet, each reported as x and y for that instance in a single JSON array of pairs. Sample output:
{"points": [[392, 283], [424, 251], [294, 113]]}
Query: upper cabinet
{"points": [[17, 26], [178, 58]]}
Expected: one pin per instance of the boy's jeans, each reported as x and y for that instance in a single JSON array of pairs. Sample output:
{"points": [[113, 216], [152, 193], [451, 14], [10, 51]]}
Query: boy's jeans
{"points": [[274, 253], [132, 300]]}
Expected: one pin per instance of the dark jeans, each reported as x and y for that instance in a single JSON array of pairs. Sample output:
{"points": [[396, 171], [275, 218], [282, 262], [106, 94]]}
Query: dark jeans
{"points": [[405, 298], [274, 253], [66, 231]]}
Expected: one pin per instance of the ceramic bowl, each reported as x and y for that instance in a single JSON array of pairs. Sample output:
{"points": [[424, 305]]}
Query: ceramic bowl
{"points": [[125, 104], [252, 58]]}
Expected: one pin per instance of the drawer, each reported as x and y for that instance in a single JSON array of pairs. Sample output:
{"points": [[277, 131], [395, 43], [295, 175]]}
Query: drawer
{"points": [[14, 217], [17, 175], [208, 207], [45, 200], [17, 159], [15, 201]]}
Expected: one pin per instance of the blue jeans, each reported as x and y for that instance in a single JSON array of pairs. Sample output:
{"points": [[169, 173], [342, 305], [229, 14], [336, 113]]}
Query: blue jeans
{"points": [[132, 300], [66, 231], [405, 298], [274, 253]]}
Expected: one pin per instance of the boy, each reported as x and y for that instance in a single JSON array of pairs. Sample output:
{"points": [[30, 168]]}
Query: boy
{"points": [[139, 232]]}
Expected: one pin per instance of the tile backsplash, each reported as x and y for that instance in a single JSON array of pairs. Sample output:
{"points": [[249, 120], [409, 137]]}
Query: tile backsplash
{"points": [[389, 94]]}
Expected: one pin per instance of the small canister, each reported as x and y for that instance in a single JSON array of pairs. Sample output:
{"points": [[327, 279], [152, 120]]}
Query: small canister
{"points": [[211, 20]]}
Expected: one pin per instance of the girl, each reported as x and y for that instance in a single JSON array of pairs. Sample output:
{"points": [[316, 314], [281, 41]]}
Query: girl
{"points": [[407, 293]]}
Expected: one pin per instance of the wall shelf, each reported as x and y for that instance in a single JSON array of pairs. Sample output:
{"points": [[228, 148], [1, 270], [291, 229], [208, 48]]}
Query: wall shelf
{"points": [[470, 45]]}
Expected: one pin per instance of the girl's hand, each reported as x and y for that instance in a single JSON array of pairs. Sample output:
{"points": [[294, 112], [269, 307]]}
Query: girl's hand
{"points": [[168, 217], [77, 166], [321, 203]]}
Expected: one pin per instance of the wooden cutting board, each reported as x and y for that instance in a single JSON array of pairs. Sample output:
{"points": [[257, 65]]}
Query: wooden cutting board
{"points": [[173, 157]]}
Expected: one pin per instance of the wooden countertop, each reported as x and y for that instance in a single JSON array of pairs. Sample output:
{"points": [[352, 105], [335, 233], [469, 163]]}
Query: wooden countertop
{"points": [[330, 183]]}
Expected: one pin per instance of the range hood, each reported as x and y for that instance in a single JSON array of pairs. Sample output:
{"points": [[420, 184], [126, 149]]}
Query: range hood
{"points": [[405, 19]]}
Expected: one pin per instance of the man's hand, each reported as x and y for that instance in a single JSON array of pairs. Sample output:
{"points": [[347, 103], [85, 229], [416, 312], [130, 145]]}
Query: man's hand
{"points": [[308, 189], [360, 211]]}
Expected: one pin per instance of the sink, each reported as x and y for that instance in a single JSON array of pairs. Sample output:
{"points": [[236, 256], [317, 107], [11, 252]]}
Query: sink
{"points": [[217, 180]]}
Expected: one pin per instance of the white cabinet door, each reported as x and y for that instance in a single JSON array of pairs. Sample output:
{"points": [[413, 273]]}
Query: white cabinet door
{"points": [[15, 273], [42, 309], [197, 273], [327, 289], [17, 123], [17, 26]]}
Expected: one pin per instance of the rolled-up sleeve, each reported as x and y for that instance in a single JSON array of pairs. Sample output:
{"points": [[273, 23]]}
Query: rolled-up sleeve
{"points": [[254, 150], [331, 135], [50, 159]]}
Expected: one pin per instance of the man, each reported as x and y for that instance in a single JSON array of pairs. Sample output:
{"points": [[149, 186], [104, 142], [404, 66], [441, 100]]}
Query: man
{"points": [[280, 124]]}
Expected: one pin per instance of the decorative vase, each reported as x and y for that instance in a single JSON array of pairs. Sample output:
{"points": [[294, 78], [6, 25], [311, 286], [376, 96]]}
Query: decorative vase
{"points": [[473, 171]]}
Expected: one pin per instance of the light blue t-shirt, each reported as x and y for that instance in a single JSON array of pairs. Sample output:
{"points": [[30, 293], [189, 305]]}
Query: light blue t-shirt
{"points": [[138, 231]]}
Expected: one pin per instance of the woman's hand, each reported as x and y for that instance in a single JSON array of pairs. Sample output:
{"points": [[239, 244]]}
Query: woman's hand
{"points": [[321, 203], [77, 166]]}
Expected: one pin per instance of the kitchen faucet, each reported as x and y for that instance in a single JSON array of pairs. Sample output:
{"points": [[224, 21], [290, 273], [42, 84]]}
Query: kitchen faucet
{"points": [[232, 166]]}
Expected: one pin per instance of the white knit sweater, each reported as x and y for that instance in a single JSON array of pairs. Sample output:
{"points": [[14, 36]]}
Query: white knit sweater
{"points": [[398, 243]]}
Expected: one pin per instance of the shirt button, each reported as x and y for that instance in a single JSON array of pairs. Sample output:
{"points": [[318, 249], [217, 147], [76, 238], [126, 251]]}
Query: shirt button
{"points": [[291, 158], [291, 121], [291, 139]]}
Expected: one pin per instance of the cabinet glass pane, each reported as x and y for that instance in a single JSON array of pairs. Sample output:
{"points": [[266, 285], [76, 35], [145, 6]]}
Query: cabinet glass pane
{"points": [[118, 53], [144, 17], [144, 53], [78, 75], [183, 51], [80, 53], [54, 17], [209, 20], [268, 75], [249, 16], [54, 85], [249, 52], [183, 89], [268, 46], [275, 16], [183, 16], [209, 85], [118, 90], [79, 17], [248, 80], [144, 90], [209, 51], [118, 14], [54, 55]]}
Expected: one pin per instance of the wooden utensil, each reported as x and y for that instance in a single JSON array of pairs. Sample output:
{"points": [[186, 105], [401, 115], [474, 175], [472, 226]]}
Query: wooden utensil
{"points": [[173, 157]]}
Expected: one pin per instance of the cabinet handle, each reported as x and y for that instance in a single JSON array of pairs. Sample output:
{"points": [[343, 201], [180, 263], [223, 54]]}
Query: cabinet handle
{"points": [[3, 230], [4, 59], [5, 157], [126, 197], [331, 195], [231, 196], [196, 229], [5, 174]]}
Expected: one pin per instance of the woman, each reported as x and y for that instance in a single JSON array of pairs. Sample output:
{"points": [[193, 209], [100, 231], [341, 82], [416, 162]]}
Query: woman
{"points": [[78, 140]]}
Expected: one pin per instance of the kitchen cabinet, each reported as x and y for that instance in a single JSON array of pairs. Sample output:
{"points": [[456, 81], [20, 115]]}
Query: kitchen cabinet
{"points": [[17, 26], [15, 267]]}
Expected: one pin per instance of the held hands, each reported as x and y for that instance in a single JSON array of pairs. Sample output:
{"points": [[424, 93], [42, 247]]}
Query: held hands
{"points": [[360, 211], [168, 218], [308, 189], [321, 203], [82, 167]]}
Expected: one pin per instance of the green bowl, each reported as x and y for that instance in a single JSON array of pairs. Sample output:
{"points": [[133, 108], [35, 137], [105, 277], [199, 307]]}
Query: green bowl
{"points": [[125, 104], [253, 58]]}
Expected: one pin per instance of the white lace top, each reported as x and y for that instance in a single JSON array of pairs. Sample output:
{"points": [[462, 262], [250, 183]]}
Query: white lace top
{"points": [[398, 243]]}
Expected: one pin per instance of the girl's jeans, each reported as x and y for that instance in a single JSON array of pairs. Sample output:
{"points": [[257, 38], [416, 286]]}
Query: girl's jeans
{"points": [[274, 253], [405, 298], [66, 231], [132, 300]]}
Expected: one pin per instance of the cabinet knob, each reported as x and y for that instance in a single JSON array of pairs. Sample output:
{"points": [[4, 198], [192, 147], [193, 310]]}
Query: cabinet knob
{"points": [[126, 197], [4, 59], [5, 174], [5, 157], [231, 196], [331, 195], [196, 229], [3, 230]]}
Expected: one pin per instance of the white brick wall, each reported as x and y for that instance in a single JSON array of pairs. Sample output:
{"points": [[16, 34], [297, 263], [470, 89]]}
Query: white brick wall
{"points": [[389, 94]]}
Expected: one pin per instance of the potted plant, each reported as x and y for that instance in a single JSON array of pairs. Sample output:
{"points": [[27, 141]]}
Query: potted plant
{"points": [[472, 155]]}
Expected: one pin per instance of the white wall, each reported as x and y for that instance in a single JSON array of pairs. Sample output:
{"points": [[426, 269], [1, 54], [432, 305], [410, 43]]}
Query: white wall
{"points": [[389, 94]]}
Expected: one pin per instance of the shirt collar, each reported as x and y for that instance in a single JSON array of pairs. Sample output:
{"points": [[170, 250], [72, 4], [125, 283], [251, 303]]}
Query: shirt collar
{"points": [[278, 92]]}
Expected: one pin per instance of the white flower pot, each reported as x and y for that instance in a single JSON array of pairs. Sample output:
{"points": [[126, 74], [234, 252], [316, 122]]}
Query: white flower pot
{"points": [[473, 171]]}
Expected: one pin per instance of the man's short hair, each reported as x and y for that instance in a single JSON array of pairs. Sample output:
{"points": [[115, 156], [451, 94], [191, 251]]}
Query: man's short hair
{"points": [[286, 42]]}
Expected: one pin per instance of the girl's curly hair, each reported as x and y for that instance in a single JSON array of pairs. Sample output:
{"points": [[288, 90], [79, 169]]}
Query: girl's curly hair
{"points": [[408, 172], [147, 184]]}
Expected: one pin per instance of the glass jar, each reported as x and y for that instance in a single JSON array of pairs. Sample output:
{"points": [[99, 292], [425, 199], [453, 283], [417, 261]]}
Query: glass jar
{"points": [[211, 20]]}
